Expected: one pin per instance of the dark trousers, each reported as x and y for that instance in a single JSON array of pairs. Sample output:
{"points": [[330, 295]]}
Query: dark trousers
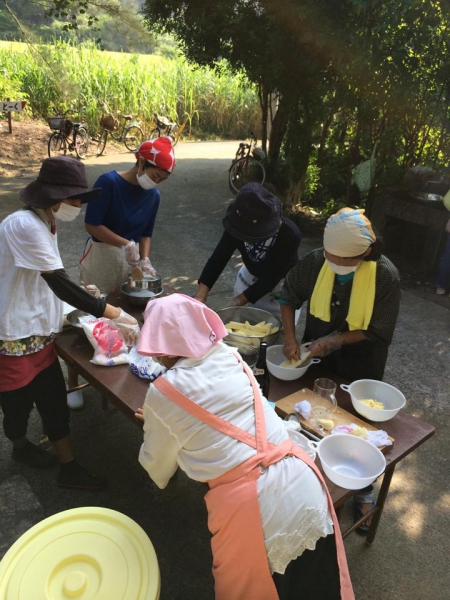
{"points": [[48, 392], [312, 576]]}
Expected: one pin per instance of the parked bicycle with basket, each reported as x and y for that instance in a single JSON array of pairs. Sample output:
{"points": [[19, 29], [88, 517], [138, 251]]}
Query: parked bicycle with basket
{"points": [[247, 165], [130, 134], [166, 127], [68, 136]]}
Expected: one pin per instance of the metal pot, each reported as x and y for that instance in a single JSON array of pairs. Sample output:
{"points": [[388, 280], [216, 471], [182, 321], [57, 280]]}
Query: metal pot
{"points": [[138, 297], [153, 284]]}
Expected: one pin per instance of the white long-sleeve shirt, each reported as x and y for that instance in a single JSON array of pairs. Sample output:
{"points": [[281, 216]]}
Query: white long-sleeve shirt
{"points": [[292, 502]]}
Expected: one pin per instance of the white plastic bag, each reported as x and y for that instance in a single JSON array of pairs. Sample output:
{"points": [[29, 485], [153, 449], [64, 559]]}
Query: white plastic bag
{"points": [[107, 341]]}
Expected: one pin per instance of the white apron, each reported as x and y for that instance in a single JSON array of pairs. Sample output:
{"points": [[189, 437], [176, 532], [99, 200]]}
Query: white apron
{"points": [[104, 265], [268, 302]]}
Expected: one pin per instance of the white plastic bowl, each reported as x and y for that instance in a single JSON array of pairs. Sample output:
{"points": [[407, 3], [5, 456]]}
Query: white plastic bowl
{"points": [[275, 357], [350, 461], [370, 389]]}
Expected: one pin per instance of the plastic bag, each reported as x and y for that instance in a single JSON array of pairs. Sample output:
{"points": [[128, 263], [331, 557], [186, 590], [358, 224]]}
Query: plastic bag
{"points": [[107, 341], [144, 366]]}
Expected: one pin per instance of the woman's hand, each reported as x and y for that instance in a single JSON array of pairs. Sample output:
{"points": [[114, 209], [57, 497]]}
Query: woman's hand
{"points": [[291, 349], [202, 293], [139, 414], [128, 327], [326, 345]]}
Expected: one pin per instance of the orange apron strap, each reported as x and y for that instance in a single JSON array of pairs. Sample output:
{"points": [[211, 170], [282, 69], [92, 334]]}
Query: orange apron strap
{"points": [[344, 575], [200, 413], [260, 422]]}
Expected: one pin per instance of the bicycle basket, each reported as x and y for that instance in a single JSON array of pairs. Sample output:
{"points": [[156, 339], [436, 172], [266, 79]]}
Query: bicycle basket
{"points": [[56, 123], [258, 153], [109, 122]]}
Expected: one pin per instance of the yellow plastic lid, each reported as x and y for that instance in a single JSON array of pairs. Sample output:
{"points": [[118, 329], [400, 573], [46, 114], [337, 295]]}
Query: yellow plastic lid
{"points": [[87, 553]]}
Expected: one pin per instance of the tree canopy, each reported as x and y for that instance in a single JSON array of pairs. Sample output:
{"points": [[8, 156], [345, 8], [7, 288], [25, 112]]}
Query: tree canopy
{"points": [[346, 73]]}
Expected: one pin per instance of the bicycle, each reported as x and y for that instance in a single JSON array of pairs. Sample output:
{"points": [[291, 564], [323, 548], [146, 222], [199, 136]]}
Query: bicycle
{"points": [[166, 127], [247, 165], [131, 134], [69, 136]]}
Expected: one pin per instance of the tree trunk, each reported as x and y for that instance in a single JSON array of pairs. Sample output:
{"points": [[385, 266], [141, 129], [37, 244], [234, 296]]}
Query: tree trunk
{"points": [[277, 133], [264, 97]]}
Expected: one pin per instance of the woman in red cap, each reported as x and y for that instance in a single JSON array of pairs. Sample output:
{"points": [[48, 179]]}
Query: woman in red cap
{"points": [[121, 224]]}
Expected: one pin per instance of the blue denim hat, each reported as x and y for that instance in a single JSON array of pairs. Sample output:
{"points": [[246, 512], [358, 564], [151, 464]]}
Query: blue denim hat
{"points": [[254, 215]]}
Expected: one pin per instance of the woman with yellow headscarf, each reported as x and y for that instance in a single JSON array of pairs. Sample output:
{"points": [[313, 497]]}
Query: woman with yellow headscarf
{"points": [[353, 295]]}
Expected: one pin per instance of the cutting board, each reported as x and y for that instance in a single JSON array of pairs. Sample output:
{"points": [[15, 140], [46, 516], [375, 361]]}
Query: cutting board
{"points": [[340, 416]]}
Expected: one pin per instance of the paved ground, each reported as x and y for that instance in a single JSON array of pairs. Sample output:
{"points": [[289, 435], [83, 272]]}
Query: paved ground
{"points": [[409, 560]]}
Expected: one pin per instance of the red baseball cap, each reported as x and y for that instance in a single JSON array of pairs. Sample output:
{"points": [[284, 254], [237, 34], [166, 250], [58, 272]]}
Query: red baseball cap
{"points": [[158, 152]]}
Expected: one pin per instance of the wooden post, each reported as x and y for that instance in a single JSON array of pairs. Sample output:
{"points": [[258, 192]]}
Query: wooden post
{"points": [[9, 118]]}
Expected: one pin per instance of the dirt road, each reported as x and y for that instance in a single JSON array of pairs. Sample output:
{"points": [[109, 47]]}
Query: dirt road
{"points": [[408, 560]]}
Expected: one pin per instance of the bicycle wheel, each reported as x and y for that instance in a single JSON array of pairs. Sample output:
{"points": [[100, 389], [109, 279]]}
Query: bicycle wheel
{"points": [[100, 142], [133, 138], [245, 170], [57, 144], [81, 142], [155, 133]]}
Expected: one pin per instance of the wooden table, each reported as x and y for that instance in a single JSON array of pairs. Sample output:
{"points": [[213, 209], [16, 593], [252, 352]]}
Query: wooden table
{"points": [[408, 431], [127, 392]]}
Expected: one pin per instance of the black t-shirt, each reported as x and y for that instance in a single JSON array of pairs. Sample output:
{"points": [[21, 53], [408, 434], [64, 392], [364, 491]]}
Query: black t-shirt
{"points": [[278, 261]]}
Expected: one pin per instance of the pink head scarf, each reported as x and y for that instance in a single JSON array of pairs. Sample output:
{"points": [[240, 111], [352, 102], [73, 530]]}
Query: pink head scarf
{"points": [[178, 325]]}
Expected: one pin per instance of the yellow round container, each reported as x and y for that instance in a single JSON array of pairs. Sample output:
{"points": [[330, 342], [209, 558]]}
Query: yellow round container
{"points": [[87, 553]]}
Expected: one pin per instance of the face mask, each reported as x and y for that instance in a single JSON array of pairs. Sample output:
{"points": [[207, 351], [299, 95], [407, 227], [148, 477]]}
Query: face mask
{"points": [[342, 270], [145, 182], [67, 212]]}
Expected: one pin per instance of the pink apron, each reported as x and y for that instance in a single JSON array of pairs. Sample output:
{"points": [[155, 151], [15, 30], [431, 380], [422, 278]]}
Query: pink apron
{"points": [[240, 566]]}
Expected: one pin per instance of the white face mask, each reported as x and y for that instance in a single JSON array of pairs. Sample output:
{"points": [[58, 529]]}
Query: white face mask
{"points": [[339, 270], [145, 182], [67, 212]]}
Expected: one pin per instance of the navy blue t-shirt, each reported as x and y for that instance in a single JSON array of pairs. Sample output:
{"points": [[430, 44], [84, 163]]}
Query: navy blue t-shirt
{"points": [[127, 209]]}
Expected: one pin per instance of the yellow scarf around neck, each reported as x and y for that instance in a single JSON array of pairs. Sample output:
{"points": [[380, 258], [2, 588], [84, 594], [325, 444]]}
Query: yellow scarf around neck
{"points": [[362, 297]]}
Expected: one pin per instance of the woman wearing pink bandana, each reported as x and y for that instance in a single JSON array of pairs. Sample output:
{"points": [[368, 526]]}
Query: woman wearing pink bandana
{"points": [[121, 225], [275, 536]]}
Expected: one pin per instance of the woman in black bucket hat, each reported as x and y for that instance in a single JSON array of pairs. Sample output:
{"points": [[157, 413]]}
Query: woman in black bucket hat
{"points": [[268, 243], [34, 286]]}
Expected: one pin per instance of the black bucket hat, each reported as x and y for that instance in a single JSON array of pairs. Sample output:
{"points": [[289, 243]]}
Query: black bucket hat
{"points": [[254, 215], [60, 178]]}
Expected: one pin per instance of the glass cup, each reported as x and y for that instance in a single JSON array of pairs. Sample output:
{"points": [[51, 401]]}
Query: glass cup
{"points": [[325, 388]]}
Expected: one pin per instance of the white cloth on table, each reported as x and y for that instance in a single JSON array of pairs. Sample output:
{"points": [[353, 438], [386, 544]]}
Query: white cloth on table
{"points": [[27, 304], [292, 522]]}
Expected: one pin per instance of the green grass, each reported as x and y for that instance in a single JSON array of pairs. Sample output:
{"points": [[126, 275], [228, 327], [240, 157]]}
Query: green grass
{"points": [[55, 77]]}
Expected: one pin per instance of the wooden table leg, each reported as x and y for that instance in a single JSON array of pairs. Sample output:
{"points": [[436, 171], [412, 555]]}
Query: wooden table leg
{"points": [[381, 500]]}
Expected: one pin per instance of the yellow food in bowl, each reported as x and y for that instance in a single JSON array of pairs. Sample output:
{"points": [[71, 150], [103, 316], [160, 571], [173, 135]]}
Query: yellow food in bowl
{"points": [[259, 330], [373, 404]]}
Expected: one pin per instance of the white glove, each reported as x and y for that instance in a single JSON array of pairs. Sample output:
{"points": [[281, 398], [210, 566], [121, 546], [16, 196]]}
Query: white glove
{"points": [[128, 327], [146, 266], [132, 253]]}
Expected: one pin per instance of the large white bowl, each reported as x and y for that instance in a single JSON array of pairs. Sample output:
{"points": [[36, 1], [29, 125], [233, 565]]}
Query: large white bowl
{"points": [[370, 389], [350, 461], [275, 356], [253, 316]]}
